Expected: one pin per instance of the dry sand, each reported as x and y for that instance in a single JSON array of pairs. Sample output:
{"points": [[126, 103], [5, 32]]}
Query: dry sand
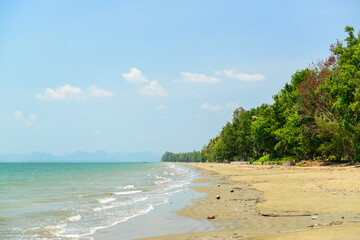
{"points": [[276, 202]]}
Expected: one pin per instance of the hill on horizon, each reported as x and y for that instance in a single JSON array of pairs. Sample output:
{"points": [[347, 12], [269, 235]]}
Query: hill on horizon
{"points": [[80, 156]]}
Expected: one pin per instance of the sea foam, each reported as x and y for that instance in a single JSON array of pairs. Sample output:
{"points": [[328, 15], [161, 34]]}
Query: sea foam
{"points": [[74, 218], [127, 193], [105, 200], [126, 187]]}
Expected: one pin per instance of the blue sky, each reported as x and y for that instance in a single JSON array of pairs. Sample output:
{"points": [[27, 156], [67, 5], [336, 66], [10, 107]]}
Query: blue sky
{"points": [[149, 75]]}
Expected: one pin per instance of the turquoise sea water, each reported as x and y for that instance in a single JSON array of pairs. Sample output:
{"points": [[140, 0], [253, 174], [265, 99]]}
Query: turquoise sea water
{"points": [[73, 200]]}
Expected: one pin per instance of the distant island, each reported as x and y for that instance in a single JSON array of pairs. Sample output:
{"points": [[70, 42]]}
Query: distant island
{"points": [[316, 116], [79, 156]]}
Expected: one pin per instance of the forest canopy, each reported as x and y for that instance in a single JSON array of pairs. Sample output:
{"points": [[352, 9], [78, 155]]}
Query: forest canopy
{"points": [[314, 116]]}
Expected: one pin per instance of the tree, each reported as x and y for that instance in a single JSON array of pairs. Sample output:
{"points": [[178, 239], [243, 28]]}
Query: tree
{"points": [[316, 114]]}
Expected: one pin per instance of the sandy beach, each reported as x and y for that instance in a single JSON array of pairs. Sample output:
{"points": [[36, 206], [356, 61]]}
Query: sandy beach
{"points": [[275, 202]]}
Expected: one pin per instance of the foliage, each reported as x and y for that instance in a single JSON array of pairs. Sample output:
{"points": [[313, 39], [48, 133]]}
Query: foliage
{"points": [[194, 156], [314, 116]]}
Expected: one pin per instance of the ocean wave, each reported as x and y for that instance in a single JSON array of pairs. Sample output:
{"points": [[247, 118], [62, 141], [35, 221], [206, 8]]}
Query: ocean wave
{"points": [[56, 229], [163, 186], [166, 180], [105, 200], [74, 218], [81, 196], [94, 229], [118, 204], [126, 187], [103, 208], [127, 193], [135, 200]]}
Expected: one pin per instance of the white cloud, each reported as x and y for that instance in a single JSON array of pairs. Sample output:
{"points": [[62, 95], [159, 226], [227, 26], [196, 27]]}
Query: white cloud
{"points": [[161, 107], [135, 76], [94, 91], [64, 92], [153, 89], [195, 77], [68, 92], [208, 106], [242, 76], [32, 117], [231, 105], [19, 117]]}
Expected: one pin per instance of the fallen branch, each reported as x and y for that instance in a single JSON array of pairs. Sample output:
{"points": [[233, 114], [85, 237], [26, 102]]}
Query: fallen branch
{"points": [[284, 215]]}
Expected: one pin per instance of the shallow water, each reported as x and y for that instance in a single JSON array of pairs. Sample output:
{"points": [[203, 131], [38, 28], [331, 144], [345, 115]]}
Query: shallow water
{"points": [[73, 200]]}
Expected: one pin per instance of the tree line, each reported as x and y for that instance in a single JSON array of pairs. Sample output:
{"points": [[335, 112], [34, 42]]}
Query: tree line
{"points": [[314, 116]]}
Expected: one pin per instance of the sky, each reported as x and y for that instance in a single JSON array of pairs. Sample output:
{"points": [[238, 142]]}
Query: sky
{"points": [[131, 76]]}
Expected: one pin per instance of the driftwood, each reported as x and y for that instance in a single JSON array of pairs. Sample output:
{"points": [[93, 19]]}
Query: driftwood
{"points": [[284, 215]]}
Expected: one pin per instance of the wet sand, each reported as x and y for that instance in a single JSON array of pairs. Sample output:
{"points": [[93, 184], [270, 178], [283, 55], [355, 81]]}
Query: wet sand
{"points": [[276, 202]]}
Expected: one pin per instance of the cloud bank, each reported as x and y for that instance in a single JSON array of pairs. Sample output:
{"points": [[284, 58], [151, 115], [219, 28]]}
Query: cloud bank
{"points": [[68, 92]]}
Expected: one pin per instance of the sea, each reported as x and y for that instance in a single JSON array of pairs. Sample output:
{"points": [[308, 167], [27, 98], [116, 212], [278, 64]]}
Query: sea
{"points": [[74, 200]]}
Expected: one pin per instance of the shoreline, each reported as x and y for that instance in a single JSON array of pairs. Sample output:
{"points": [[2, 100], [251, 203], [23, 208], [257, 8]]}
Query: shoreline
{"points": [[275, 202], [162, 219]]}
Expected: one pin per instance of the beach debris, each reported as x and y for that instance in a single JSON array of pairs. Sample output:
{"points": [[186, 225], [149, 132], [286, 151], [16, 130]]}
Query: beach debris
{"points": [[334, 193], [286, 163], [314, 217], [218, 197], [211, 217], [232, 190], [315, 225], [218, 185], [335, 223], [284, 215]]}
